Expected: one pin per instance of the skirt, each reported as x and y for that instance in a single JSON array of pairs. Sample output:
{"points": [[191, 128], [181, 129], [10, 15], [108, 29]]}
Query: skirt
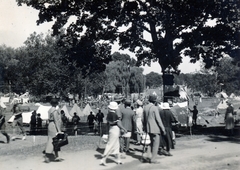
{"points": [[113, 144], [51, 133], [229, 121]]}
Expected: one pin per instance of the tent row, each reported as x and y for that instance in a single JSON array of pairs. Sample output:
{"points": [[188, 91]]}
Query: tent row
{"points": [[43, 110]]}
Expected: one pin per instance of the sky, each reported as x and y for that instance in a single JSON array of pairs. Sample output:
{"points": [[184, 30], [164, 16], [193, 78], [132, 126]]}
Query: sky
{"points": [[18, 22]]}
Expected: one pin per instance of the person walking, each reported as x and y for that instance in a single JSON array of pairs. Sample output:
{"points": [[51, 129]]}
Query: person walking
{"points": [[99, 117], [75, 121], [64, 121], [33, 122], [167, 118], [120, 101], [153, 125], [138, 121], [127, 123], [18, 121], [90, 120], [195, 113], [54, 127], [113, 146], [3, 124]]}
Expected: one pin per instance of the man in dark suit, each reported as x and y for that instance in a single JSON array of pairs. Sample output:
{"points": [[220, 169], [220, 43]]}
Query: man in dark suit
{"points": [[152, 124], [127, 122]]}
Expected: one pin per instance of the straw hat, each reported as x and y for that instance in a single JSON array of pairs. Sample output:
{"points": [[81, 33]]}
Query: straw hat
{"points": [[139, 102], [113, 106], [165, 106]]}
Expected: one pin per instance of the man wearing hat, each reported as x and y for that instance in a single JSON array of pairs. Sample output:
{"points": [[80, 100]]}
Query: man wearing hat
{"points": [[152, 124], [119, 100], [167, 120], [127, 121]]}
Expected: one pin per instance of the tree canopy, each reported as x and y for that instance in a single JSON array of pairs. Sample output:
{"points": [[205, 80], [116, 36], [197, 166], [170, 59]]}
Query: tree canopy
{"points": [[175, 28]]}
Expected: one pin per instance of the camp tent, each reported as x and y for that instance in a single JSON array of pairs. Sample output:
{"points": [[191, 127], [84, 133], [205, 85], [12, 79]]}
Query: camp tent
{"points": [[222, 106], [25, 115], [180, 110], [43, 110], [87, 110], [5, 99], [76, 109], [67, 114]]}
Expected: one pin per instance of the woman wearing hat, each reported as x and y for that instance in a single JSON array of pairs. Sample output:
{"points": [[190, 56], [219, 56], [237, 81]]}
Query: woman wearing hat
{"points": [[54, 127], [167, 120], [113, 145], [138, 120]]}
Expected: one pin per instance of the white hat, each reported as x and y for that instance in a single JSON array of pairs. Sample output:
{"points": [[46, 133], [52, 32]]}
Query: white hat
{"points": [[113, 106], [165, 106], [139, 102]]}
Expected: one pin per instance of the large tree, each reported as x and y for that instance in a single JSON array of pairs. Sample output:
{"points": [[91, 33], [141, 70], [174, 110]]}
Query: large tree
{"points": [[175, 27], [42, 65]]}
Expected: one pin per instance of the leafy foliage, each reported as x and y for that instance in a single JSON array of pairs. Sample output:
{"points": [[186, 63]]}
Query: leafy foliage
{"points": [[174, 27], [153, 80]]}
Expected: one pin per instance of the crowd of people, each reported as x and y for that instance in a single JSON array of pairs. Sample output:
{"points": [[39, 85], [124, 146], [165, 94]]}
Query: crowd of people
{"points": [[127, 118]]}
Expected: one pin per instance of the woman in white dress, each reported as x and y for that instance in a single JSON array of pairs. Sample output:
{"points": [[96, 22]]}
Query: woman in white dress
{"points": [[113, 145], [138, 121]]}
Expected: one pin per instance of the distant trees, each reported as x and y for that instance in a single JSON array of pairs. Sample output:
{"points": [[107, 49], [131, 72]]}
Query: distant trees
{"points": [[228, 75], [42, 67], [123, 76], [153, 80]]}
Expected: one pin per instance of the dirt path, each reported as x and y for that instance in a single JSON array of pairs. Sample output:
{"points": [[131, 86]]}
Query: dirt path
{"points": [[191, 153]]}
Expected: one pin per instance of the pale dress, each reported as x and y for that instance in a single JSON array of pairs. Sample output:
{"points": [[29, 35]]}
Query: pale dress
{"points": [[54, 117]]}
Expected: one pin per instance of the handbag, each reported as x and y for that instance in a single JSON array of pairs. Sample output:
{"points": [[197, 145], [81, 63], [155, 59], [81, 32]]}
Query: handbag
{"points": [[145, 139], [61, 139]]}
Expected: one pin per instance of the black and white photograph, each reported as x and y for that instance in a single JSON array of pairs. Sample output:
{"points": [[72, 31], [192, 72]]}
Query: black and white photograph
{"points": [[119, 84]]}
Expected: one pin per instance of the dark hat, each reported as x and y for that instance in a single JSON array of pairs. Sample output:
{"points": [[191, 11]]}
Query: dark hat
{"points": [[152, 98], [118, 98], [127, 102], [54, 102]]}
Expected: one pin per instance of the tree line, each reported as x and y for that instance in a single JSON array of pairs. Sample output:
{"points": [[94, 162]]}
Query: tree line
{"points": [[42, 67]]}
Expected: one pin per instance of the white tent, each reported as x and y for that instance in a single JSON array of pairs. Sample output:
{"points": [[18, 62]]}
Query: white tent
{"points": [[76, 109], [43, 110], [26, 117], [5, 99], [67, 114], [86, 111], [222, 106], [222, 95]]}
